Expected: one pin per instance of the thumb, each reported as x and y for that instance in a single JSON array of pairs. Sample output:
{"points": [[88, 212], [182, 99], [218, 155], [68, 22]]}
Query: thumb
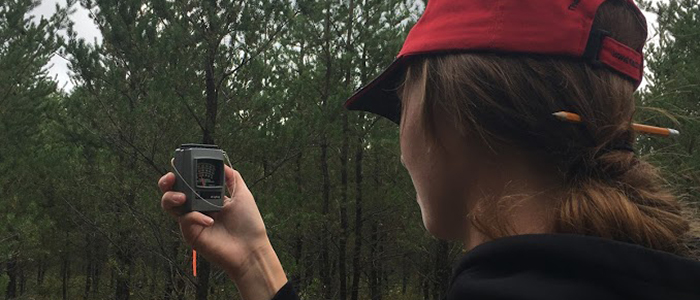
{"points": [[234, 181], [193, 224]]}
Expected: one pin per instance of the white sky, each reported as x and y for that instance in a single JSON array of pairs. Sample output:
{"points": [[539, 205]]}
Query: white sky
{"points": [[87, 29]]}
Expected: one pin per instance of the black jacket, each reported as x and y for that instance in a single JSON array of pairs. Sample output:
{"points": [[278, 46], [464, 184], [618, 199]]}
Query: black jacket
{"points": [[558, 266]]}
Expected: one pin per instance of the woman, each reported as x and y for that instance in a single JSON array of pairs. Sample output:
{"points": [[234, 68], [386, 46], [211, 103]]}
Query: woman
{"points": [[548, 210]]}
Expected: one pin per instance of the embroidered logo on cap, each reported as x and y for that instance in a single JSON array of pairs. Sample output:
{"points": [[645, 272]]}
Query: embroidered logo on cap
{"points": [[626, 60]]}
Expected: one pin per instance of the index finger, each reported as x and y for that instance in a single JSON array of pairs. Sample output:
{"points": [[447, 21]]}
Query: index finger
{"points": [[166, 182]]}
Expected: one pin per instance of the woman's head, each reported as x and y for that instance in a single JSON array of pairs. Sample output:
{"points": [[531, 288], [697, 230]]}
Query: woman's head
{"points": [[479, 140]]}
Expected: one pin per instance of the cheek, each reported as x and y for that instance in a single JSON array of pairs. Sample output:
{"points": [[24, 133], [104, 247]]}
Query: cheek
{"points": [[443, 204], [440, 192], [415, 156], [440, 179]]}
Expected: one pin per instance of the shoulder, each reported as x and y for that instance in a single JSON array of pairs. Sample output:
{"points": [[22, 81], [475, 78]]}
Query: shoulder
{"points": [[559, 266]]}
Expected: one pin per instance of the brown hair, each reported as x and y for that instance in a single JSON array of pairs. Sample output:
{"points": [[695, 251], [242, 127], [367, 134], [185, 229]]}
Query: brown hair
{"points": [[508, 99]]}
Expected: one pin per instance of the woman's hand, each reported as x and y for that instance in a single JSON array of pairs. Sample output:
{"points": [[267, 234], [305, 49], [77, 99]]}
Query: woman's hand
{"points": [[234, 238]]}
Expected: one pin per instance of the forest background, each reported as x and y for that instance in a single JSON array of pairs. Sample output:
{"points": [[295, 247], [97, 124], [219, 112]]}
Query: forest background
{"points": [[80, 216]]}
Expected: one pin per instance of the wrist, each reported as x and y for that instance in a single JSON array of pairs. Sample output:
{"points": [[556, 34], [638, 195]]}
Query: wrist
{"points": [[261, 276]]}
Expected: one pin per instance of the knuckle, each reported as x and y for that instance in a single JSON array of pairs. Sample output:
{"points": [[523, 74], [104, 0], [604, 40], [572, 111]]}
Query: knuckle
{"points": [[165, 182], [169, 199]]}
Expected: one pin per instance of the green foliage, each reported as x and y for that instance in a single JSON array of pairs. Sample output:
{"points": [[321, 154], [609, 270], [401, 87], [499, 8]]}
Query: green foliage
{"points": [[27, 95], [673, 96]]}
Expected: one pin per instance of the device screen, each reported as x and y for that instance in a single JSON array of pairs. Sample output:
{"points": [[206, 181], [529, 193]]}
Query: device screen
{"points": [[209, 172]]}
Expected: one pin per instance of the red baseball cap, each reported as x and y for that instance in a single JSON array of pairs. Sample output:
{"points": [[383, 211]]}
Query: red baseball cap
{"points": [[551, 27]]}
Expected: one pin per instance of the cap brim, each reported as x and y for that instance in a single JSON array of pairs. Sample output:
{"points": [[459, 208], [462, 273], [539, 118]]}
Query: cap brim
{"points": [[380, 95]]}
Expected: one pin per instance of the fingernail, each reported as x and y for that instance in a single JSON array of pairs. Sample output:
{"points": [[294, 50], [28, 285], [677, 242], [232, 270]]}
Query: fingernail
{"points": [[208, 221]]}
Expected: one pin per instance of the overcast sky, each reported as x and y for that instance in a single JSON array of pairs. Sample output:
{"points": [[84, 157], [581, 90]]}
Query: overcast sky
{"points": [[86, 29]]}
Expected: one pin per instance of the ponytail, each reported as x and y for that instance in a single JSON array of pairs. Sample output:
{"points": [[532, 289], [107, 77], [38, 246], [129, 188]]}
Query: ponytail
{"points": [[623, 199]]}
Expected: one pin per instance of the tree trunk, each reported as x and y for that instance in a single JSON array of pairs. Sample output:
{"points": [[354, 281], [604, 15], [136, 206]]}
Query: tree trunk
{"points": [[325, 266], [297, 277], [374, 276], [425, 284], [212, 99], [211, 96], [383, 272], [180, 287], [404, 266], [324, 271], [65, 274], [125, 253], [22, 280], [375, 236], [41, 271], [88, 267], [344, 157], [171, 270], [203, 272], [112, 277], [11, 268], [88, 278], [304, 274], [357, 250], [154, 271], [96, 277], [441, 269], [342, 241], [123, 276], [125, 240]]}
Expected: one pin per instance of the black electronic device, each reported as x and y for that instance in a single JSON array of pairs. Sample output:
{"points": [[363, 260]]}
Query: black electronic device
{"points": [[200, 176]]}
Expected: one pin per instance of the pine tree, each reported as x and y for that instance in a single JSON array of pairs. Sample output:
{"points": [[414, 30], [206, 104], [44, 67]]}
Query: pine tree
{"points": [[672, 97], [26, 96]]}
